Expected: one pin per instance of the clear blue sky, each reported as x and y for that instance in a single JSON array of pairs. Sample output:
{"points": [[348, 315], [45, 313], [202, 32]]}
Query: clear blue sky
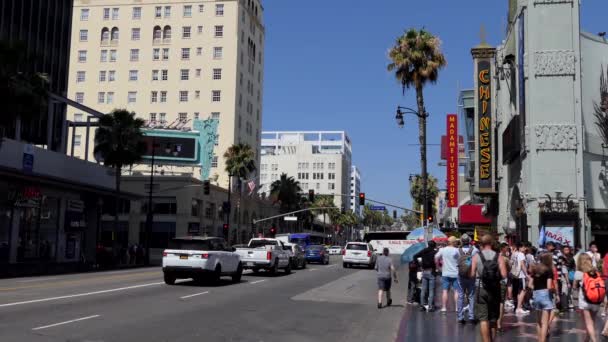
{"points": [[325, 69]]}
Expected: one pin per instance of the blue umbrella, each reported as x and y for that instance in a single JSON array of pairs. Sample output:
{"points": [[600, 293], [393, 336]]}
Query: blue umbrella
{"points": [[420, 234], [408, 254]]}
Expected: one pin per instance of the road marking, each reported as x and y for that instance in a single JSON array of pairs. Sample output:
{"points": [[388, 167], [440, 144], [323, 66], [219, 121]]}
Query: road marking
{"points": [[66, 322], [331, 265], [194, 295], [81, 281], [312, 269], [32, 280], [79, 295], [257, 281]]}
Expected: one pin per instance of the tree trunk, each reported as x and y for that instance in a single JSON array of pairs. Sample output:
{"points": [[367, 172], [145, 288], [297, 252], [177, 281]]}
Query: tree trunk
{"points": [[422, 138], [116, 202]]}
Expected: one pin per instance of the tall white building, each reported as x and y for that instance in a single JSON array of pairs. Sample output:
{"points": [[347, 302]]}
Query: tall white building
{"points": [[355, 189], [319, 160], [173, 62]]}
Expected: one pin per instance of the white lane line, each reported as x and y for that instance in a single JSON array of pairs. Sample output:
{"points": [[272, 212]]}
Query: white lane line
{"points": [[312, 269], [66, 322], [79, 294], [257, 282], [194, 295], [33, 280], [331, 265]]}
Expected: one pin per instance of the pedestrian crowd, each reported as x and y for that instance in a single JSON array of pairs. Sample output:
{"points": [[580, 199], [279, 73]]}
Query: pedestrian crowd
{"points": [[491, 278]]}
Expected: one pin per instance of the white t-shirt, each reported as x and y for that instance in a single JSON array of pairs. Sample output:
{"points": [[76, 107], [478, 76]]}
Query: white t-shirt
{"points": [[594, 258], [449, 257], [519, 257]]}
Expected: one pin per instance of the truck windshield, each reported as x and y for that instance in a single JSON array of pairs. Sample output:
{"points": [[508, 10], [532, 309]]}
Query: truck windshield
{"points": [[261, 243], [190, 245]]}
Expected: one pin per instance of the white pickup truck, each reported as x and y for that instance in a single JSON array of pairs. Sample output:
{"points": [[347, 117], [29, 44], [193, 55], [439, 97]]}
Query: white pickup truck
{"points": [[265, 254]]}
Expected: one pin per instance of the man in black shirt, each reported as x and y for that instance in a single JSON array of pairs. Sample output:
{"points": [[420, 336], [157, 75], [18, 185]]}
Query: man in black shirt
{"points": [[428, 276]]}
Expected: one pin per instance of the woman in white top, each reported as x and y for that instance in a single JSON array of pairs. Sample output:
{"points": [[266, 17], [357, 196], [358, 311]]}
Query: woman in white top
{"points": [[585, 265]]}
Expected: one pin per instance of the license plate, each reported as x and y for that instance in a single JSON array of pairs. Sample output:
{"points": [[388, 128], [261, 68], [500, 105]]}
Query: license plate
{"points": [[249, 264], [185, 257]]}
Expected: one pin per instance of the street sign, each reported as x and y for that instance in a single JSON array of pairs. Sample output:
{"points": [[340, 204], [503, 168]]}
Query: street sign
{"points": [[290, 218], [378, 207]]}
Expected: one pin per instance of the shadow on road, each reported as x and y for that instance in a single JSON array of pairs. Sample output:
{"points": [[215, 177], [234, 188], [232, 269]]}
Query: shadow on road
{"points": [[265, 274], [208, 283]]}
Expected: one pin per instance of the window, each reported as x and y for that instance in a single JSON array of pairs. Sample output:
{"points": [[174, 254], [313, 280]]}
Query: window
{"points": [[163, 118], [158, 11], [165, 54], [84, 14], [115, 34], [188, 11], [102, 76], [217, 140], [77, 139], [163, 96], [216, 95], [132, 97], [114, 13], [101, 97], [331, 186], [80, 76], [110, 98], [199, 51], [185, 74], [217, 52], [134, 55], [331, 176], [84, 35], [82, 56], [200, 29], [198, 72], [214, 161], [133, 75], [219, 31], [274, 167], [154, 97], [164, 74], [186, 32], [112, 55], [183, 117], [318, 186], [78, 117], [154, 75], [331, 166], [219, 10], [197, 115], [217, 74], [197, 94], [183, 96], [186, 53], [106, 14], [135, 33], [152, 117], [136, 13], [111, 75], [201, 8], [167, 11], [155, 54], [167, 33], [79, 97], [215, 115], [103, 57]]}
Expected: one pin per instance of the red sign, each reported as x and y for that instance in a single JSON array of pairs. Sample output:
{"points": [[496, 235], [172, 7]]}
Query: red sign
{"points": [[452, 160]]}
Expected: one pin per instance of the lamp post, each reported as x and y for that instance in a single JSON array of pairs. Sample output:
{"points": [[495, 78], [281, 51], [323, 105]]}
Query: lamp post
{"points": [[400, 122], [150, 213]]}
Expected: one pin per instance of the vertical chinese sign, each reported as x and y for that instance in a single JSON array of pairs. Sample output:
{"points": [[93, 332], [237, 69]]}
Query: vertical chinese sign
{"points": [[484, 108], [452, 160]]}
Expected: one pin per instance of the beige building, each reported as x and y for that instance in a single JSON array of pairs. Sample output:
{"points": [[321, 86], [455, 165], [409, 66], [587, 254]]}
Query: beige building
{"points": [[172, 62]]}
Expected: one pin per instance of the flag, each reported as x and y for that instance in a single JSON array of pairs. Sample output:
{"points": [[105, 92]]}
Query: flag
{"points": [[251, 186], [475, 235], [542, 237]]}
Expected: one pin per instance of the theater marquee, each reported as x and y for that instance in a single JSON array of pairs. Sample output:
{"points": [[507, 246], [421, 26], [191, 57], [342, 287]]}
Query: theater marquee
{"points": [[484, 110]]}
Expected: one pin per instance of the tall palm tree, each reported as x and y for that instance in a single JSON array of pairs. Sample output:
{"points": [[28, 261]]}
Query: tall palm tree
{"points": [[240, 162], [286, 190], [416, 59], [119, 142]]}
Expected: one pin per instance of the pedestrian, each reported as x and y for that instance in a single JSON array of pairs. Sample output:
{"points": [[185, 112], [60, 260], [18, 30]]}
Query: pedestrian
{"points": [[504, 284], [520, 274], [542, 275], [509, 305], [596, 258], [413, 293], [384, 269], [427, 257], [585, 276], [448, 257], [605, 277], [466, 283], [558, 257], [569, 266], [489, 269]]}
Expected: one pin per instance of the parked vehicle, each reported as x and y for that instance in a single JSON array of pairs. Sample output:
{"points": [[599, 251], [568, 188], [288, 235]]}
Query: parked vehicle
{"points": [[335, 250], [199, 258], [297, 257], [317, 253], [265, 254], [358, 253]]}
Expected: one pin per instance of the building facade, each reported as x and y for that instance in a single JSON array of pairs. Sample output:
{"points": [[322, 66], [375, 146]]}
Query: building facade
{"points": [[355, 189], [319, 161], [174, 63]]}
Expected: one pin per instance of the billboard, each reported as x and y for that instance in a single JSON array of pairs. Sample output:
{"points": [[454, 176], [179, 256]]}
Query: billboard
{"points": [[452, 160], [169, 147]]}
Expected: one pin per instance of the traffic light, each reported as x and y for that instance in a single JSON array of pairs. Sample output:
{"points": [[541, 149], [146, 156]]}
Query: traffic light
{"points": [[429, 211], [206, 187], [311, 195], [273, 231], [394, 214], [225, 229], [362, 198]]}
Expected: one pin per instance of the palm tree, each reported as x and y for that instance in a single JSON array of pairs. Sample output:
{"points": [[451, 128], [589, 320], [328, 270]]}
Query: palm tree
{"points": [[286, 190], [240, 162], [119, 142], [416, 60]]}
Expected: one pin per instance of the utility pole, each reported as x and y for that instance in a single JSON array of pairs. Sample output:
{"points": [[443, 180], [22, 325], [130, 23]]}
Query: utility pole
{"points": [[150, 213]]}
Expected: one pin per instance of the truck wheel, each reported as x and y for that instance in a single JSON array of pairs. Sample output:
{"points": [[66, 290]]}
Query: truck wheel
{"points": [[236, 278], [169, 279], [288, 268], [274, 270]]}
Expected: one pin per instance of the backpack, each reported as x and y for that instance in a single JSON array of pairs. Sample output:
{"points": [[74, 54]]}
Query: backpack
{"points": [[594, 288], [490, 276], [464, 262], [515, 266]]}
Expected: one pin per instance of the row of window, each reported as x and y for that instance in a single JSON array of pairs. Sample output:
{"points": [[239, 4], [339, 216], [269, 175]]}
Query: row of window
{"points": [[110, 75], [112, 35], [108, 97], [136, 12], [316, 166], [134, 54]]}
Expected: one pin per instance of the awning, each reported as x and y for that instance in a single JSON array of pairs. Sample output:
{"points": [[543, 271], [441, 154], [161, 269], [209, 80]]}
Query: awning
{"points": [[470, 214]]}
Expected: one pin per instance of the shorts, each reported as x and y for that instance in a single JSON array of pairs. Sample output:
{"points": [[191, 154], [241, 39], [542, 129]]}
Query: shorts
{"points": [[384, 284], [449, 282], [487, 305], [503, 292], [542, 300]]}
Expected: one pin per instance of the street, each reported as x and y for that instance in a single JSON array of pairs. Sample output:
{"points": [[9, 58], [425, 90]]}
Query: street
{"points": [[319, 303]]}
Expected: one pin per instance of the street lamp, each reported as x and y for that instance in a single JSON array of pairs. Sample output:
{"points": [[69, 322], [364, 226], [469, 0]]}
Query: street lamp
{"points": [[150, 213]]}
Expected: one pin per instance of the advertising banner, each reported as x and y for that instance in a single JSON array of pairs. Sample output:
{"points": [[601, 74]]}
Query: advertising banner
{"points": [[562, 235], [452, 160]]}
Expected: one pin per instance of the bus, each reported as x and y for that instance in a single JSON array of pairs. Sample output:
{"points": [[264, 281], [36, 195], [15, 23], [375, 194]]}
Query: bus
{"points": [[395, 241], [303, 239]]}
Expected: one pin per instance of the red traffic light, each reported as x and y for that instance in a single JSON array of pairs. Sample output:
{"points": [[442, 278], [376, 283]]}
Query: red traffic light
{"points": [[226, 226], [362, 198], [273, 230]]}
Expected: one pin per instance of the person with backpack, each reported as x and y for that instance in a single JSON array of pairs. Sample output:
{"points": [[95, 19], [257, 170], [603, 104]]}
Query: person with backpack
{"points": [[427, 264], [413, 291], [466, 283], [448, 257], [504, 284], [489, 268], [543, 276], [592, 292]]}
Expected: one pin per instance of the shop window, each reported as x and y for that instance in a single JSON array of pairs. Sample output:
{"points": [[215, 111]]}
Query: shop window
{"points": [[162, 233]]}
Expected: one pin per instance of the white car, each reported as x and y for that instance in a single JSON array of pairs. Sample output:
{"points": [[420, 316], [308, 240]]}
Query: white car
{"points": [[335, 250], [199, 258], [358, 253]]}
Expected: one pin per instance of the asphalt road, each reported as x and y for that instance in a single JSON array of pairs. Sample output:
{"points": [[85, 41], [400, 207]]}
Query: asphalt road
{"points": [[320, 303]]}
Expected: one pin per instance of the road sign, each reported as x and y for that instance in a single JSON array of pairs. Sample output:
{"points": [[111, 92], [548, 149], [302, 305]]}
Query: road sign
{"points": [[378, 207], [290, 218]]}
